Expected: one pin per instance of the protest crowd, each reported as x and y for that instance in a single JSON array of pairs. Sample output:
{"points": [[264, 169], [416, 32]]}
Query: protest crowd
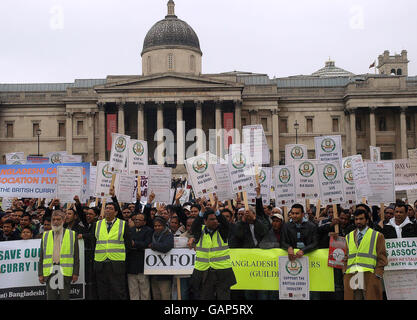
{"points": [[212, 212]]}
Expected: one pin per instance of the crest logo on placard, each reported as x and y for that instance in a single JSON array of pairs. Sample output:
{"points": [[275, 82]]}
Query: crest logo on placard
{"points": [[200, 165], [347, 164], [284, 175], [138, 149], [330, 172], [17, 163], [349, 177], [306, 169], [262, 176], [239, 161], [297, 153], [120, 144], [56, 158], [328, 145], [106, 172], [294, 268]]}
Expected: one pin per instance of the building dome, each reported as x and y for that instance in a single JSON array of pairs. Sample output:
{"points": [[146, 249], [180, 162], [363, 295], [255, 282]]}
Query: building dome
{"points": [[171, 32], [330, 70]]}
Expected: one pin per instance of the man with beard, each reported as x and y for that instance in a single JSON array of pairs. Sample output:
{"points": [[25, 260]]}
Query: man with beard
{"points": [[59, 247]]}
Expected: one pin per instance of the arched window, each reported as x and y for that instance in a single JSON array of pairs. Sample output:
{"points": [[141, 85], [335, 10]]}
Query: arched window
{"points": [[399, 72], [393, 71], [170, 61], [192, 63]]}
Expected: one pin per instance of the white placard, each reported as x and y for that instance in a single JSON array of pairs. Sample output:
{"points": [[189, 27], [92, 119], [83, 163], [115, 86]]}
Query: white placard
{"points": [[265, 180], [138, 158], [201, 174], [224, 183], [331, 183], [306, 179], [69, 158], [348, 182], [284, 177], [93, 175], [15, 158], [103, 179], [124, 187], [405, 174], [328, 148], [375, 153], [360, 177], [119, 152], [241, 169], [159, 182], [69, 183], [295, 152], [381, 177], [56, 156], [254, 137], [401, 284], [294, 283], [175, 262]]}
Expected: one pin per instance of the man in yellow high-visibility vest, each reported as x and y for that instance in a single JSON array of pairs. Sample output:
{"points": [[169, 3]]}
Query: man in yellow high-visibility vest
{"points": [[59, 247], [365, 260]]}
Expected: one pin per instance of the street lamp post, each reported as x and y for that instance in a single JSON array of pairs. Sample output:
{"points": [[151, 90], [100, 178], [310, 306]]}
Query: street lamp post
{"points": [[38, 133], [296, 127]]}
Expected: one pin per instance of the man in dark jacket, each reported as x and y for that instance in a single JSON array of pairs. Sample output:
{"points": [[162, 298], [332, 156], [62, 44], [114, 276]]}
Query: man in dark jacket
{"points": [[400, 226], [139, 286], [8, 233]]}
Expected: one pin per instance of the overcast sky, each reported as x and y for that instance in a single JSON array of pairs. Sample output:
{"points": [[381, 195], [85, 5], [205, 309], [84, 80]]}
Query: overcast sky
{"points": [[63, 40]]}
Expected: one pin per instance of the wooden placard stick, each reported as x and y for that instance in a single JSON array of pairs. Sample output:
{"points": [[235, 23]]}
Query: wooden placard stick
{"points": [[139, 190], [103, 205], [88, 203], [318, 207], [307, 204], [245, 200], [179, 288], [286, 218], [113, 179], [211, 197], [257, 174], [39, 202], [336, 215], [382, 213]]}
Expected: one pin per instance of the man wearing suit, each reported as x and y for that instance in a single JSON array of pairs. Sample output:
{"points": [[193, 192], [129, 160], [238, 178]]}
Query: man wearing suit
{"points": [[365, 262], [112, 240]]}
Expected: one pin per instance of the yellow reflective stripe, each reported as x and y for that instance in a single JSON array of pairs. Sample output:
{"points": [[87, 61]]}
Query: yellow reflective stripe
{"points": [[121, 225], [370, 266], [220, 258], [67, 265], [98, 227], [373, 239], [111, 251], [199, 259], [71, 242]]}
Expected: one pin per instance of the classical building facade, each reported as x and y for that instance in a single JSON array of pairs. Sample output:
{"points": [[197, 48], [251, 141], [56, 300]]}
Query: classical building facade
{"points": [[173, 93]]}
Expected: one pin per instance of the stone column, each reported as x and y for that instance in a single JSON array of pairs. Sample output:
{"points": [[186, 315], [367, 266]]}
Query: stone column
{"points": [[102, 131], [352, 115], [141, 120], [121, 118], [159, 127], [219, 131], [90, 135], [275, 137], [199, 126], [372, 131], [403, 130], [180, 134], [238, 121], [69, 132]]}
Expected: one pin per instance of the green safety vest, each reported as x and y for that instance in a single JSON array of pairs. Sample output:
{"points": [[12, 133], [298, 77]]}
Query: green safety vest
{"points": [[212, 252], [110, 245], [362, 259], [66, 258]]}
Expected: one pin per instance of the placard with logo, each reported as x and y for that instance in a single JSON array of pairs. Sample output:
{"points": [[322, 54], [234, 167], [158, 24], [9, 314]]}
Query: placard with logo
{"points": [[241, 169], [331, 183], [15, 158], [265, 180], [103, 179], [328, 148], [56, 156], [119, 152], [381, 177], [348, 182], [138, 157], [294, 283], [295, 152], [375, 153], [337, 252], [284, 178], [201, 174], [306, 179]]}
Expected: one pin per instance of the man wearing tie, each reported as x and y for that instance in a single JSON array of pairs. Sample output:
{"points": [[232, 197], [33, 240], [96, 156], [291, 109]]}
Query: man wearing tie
{"points": [[365, 261]]}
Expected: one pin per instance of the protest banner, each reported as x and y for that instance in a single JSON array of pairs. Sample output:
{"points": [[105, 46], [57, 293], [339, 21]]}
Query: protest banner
{"points": [[254, 137], [284, 178], [19, 272], [201, 174], [15, 158], [241, 168], [348, 181], [306, 180], [138, 158], [328, 148], [69, 183], [159, 182], [337, 252], [56, 156], [375, 153], [36, 180], [331, 183], [265, 180], [36, 160], [70, 158], [295, 152], [405, 174], [119, 152], [401, 253], [294, 283], [255, 269], [103, 179], [360, 178], [401, 284], [224, 184], [381, 177]]}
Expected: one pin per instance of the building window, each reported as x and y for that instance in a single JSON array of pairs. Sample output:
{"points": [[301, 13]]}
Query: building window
{"points": [[170, 61], [244, 122], [9, 130], [283, 125], [335, 124], [80, 128], [382, 124], [149, 64], [192, 63], [408, 123], [35, 128], [399, 72], [61, 129], [309, 125], [358, 124], [264, 122], [392, 71]]}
